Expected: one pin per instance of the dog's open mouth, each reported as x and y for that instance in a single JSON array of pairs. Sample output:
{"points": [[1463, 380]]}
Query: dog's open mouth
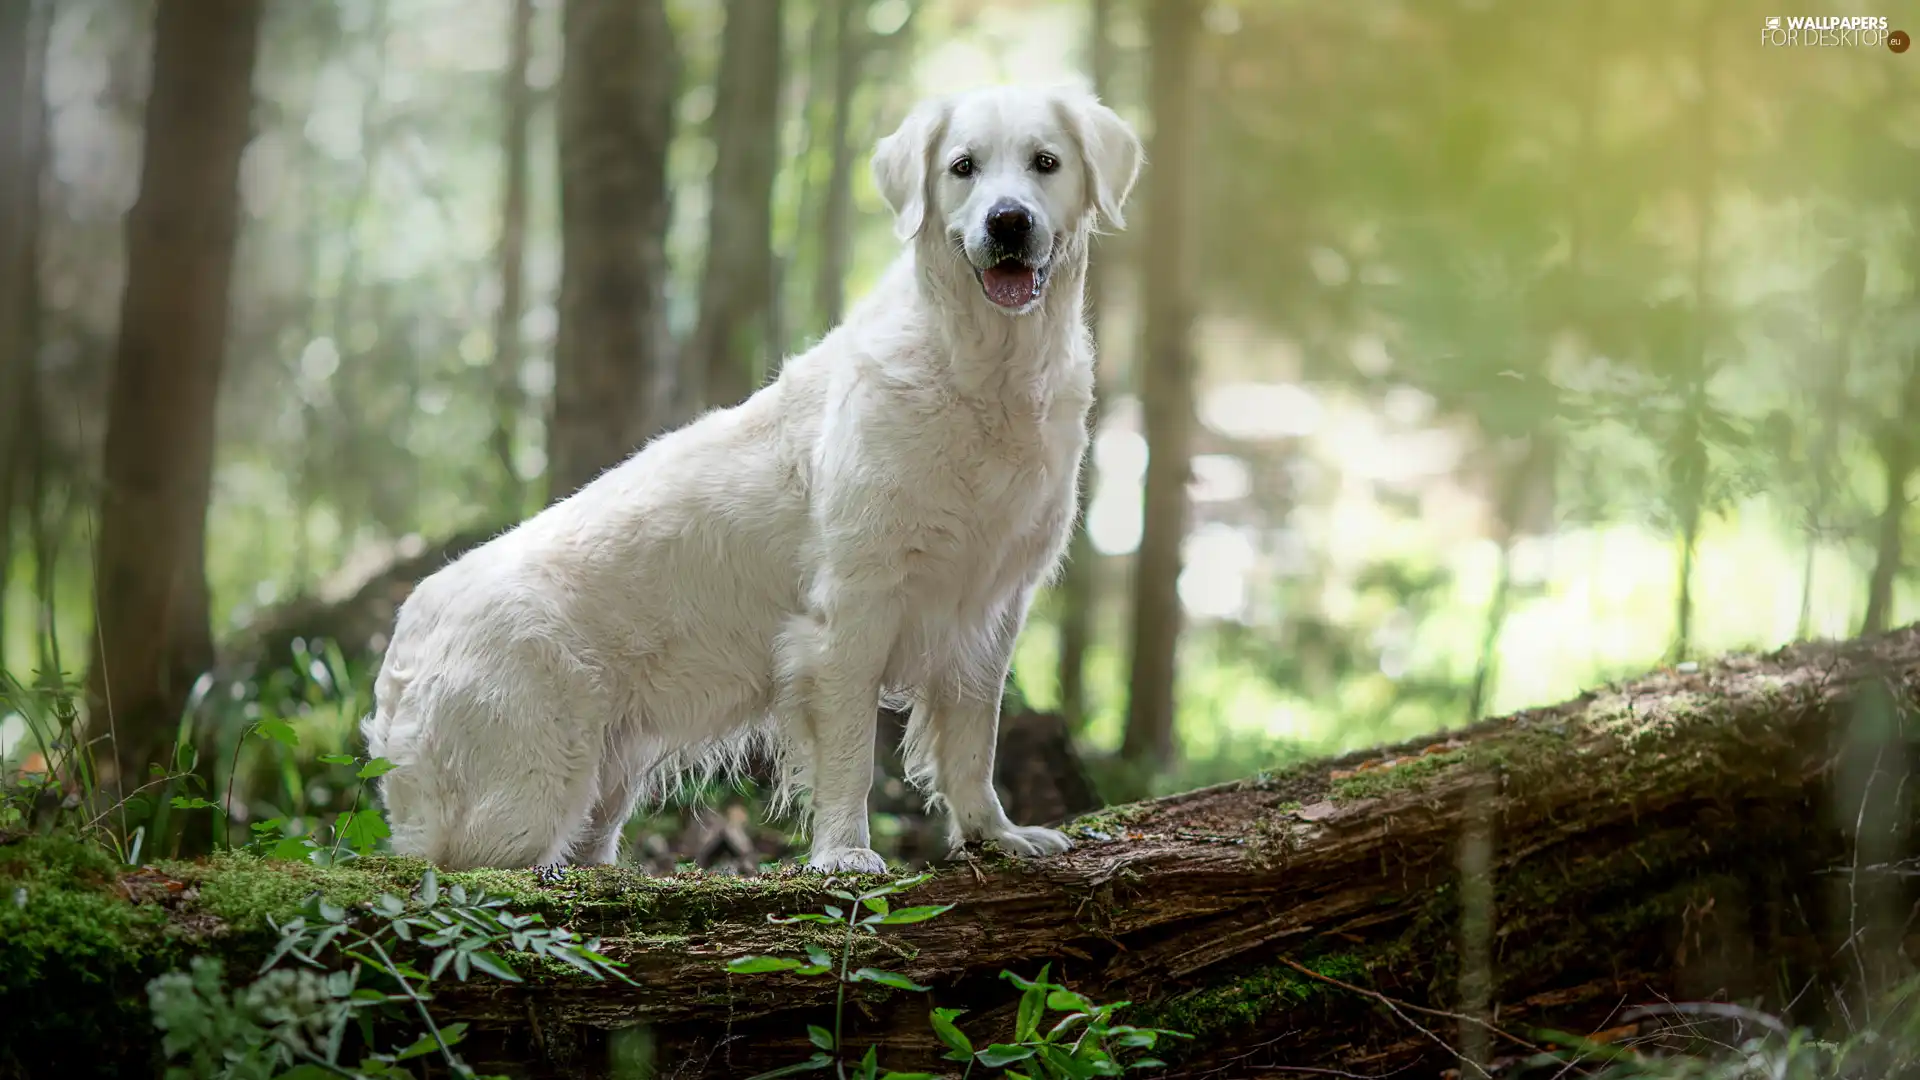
{"points": [[1011, 283]]}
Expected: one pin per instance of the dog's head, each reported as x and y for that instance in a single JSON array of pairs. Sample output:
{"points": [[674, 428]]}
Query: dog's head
{"points": [[1004, 174]]}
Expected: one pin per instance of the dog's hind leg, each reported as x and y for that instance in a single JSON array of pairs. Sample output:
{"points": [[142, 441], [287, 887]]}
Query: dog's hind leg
{"points": [[624, 770]]}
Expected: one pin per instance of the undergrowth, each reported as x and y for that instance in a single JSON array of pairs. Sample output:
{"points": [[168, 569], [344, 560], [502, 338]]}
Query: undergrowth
{"points": [[1083, 1042]]}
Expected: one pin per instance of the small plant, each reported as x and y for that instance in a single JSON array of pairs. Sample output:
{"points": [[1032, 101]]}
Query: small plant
{"points": [[864, 912], [292, 1021], [1083, 1043]]}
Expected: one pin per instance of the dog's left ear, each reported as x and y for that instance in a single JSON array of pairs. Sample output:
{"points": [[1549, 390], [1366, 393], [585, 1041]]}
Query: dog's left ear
{"points": [[901, 165], [1112, 154]]}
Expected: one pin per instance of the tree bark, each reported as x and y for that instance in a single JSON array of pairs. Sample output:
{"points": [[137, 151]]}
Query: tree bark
{"points": [[1899, 448], [1692, 466], [1078, 581], [1675, 837], [613, 377], [1166, 381], [18, 179], [836, 231], [517, 110], [733, 346], [149, 579]]}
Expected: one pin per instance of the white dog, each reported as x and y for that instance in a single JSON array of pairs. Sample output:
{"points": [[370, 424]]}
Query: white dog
{"points": [[875, 520]]}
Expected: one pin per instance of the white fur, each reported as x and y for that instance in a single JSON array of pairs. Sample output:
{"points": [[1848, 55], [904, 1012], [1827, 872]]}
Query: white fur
{"points": [[876, 518]]}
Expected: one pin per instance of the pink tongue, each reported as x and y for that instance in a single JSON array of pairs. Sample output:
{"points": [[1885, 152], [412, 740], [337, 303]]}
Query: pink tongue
{"points": [[1010, 286]]}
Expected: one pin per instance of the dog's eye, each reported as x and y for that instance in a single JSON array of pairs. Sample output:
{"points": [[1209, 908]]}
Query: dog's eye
{"points": [[1045, 163], [962, 166]]}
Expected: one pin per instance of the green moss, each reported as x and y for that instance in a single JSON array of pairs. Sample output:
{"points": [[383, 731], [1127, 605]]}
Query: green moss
{"points": [[1408, 774], [69, 937], [1112, 820], [1214, 1012], [60, 915], [245, 891]]}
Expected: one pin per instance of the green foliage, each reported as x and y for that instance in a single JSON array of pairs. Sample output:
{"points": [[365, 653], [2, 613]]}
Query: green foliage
{"points": [[1084, 1042], [335, 970]]}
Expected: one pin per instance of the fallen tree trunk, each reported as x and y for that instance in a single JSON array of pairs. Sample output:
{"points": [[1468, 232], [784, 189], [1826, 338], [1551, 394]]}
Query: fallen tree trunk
{"points": [[1672, 837]]}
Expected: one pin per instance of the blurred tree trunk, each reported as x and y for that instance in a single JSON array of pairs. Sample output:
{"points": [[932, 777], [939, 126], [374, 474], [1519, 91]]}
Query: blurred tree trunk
{"points": [[33, 487], [1078, 585], [732, 343], [1899, 450], [836, 218], [517, 108], [1166, 381], [149, 580], [1691, 461], [1844, 289], [613, 376], [17, 198]]}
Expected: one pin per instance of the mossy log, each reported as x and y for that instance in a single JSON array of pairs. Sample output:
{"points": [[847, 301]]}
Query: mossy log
{"points": [[1673, 837]]}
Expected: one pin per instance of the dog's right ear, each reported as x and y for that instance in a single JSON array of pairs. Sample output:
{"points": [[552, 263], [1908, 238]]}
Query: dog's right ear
{"points": [[902, 165]]}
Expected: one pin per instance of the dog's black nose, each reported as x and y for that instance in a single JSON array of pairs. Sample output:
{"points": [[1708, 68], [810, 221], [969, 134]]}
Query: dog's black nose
{"points": [[1008, 223]]}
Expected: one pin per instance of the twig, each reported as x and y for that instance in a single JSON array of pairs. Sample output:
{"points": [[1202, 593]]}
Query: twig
{"points": [[406, 985], [1397, 1005]]}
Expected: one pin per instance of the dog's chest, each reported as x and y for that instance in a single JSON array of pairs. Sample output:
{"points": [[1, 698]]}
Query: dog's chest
{"points": [[999, 493]]}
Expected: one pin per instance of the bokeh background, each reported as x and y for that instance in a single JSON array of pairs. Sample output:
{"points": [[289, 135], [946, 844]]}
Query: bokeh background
{"points": [[1494, 348]]}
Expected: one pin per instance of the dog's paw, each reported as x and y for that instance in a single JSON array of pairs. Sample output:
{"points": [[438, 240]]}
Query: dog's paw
{"points": [[847, 860], [550, 874], [1028, 841]]}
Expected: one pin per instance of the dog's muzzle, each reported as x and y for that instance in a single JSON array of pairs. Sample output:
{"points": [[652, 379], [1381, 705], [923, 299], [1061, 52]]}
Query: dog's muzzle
{"points": [[1011, 278]]}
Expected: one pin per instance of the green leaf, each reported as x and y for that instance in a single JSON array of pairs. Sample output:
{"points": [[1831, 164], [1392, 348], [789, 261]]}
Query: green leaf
{"points": [[449, 1035], [377, 767], [429, 888], [915, 914], [1068, 1001], [292, 849], [1026, 984], [754, 965], [869, 1065], [941, 1020], [494, 966], [820, 1036], [809, 917], [1001, 1054], [876, 904], [812, 1064], [1148, 1063], [279, 731], [181, 802], [886, 978], [361, 830], [1033, 1006], [336, 759]]}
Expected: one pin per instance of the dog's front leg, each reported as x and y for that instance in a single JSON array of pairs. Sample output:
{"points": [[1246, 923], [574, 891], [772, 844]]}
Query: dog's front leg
{"points": [[841, 697], [953, 734]]}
